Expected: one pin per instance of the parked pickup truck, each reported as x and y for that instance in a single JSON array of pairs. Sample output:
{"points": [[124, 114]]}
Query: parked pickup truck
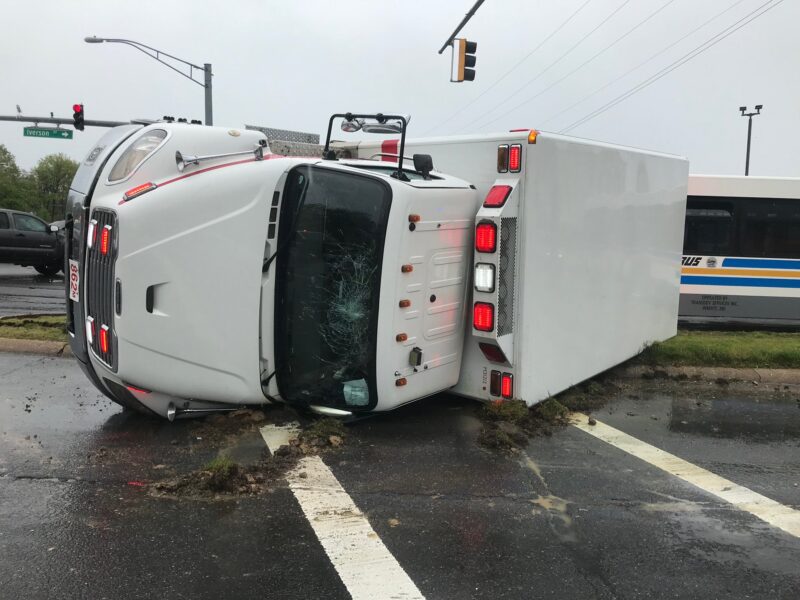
{"points": [[28, 241]]}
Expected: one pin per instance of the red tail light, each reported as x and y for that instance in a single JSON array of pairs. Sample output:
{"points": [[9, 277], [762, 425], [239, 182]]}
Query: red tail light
{"points": [[515, 158], [105, 240], [494, 383], [507, 386], [497, 196], [483, 316], [104, 339], [486, 237], [495, 355]]}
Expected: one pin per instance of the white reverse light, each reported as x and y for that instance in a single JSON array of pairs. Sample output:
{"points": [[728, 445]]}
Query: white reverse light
{"points": [[484, 277]]}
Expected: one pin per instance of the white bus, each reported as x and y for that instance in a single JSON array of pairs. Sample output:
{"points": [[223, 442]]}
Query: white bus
{"points": [[741, 251]]}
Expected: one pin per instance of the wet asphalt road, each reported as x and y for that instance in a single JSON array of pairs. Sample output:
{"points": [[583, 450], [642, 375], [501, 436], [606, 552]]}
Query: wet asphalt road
{"points": [[23, 291], [572, 517]]}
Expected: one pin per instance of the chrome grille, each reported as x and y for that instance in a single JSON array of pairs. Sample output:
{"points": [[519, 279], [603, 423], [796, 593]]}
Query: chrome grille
{"points": [[505, 285], [100, 286]]}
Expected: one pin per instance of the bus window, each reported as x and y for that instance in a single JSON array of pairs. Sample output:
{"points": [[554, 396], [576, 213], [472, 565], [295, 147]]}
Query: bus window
{"points": [[771, 229], [709, 231]]}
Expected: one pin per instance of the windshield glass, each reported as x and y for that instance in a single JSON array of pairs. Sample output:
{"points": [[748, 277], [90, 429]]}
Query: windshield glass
{"points": [[330, 241]]}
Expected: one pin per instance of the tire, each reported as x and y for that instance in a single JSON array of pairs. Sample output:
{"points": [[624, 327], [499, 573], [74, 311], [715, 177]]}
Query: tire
{"points": [[48, 270]]}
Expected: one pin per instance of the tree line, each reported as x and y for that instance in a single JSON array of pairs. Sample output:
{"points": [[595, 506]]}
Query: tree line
{"points": [[42, 191]]}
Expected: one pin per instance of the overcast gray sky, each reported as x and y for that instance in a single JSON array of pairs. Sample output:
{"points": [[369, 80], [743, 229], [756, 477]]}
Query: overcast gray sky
{"points": [[291, 64]]}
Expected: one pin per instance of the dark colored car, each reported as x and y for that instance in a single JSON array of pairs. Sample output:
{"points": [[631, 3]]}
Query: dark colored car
{"points": [[28, 241]]}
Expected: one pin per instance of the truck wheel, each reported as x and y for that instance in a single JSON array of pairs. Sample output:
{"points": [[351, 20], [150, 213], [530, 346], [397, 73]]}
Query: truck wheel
{"points": [[48, 270]]}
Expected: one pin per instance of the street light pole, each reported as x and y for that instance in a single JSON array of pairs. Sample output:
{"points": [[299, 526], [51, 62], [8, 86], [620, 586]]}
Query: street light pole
{"points": [[157, 54], [749, 132], [209, 116]]}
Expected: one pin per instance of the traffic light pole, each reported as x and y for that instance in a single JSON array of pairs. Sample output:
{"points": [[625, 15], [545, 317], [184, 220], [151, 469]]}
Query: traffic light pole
{"points": [[464, 21], [59, 121]]}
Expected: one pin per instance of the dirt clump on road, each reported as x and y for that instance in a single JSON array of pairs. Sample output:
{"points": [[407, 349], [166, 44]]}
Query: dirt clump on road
{"points": [[509, 424], [220, 478], [223, 478]]}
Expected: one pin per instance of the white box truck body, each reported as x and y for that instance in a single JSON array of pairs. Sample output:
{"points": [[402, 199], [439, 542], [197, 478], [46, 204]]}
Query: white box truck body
{"points": [[588, 259], [234, 276]]}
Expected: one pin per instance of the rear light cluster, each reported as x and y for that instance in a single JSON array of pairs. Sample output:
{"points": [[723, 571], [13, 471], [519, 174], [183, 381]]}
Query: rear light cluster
{"points": [[501, 385], [486, 272]]}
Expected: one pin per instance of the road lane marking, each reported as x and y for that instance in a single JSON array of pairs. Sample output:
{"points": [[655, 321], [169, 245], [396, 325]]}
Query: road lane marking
{"points": [[364, 564], [279, 435], [766, 509]]}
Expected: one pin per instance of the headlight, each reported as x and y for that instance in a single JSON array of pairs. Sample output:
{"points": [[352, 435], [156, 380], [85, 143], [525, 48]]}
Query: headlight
{"points": [[136, 154]]}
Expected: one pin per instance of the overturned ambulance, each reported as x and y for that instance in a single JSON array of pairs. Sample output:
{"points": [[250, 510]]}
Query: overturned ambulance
{"points": [[206, 272]]}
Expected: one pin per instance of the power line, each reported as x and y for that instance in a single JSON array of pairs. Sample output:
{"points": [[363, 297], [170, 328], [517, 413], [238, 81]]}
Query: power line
{"points": [[684, 59], [507, 73], [641, 64], [560, 58], [583, 64]]}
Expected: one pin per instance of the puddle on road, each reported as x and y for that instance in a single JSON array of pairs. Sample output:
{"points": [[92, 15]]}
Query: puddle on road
{"points": [[720, 534], [758, 418]]}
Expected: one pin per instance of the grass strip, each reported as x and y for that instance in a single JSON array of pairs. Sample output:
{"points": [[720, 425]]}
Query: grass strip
{"points": [[744, 349], [42, 327]]}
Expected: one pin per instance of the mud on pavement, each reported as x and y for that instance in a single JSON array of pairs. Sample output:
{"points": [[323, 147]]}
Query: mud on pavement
{"points": [[223, 477], [507, 426]]}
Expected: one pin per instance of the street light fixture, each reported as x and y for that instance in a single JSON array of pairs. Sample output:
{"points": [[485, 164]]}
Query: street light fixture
{"points": [[749, 116], [157, 54]]}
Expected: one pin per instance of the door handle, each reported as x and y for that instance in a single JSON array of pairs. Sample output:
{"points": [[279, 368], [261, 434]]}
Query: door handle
{"points": [[20, 235]]}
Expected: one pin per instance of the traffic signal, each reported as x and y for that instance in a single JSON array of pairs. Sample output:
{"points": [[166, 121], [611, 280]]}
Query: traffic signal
{"points": [[77, 116], [465, 52]]}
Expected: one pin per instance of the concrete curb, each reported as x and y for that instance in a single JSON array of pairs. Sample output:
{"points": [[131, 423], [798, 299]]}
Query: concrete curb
{"points": [[757, 376], [45, 347]]}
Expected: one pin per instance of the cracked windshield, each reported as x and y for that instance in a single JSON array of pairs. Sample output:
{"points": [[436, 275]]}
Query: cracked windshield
{"points": [[332, 225]]}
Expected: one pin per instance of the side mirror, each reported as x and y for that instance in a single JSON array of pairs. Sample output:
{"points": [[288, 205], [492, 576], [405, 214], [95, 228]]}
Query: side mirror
{"points": [[423, 163], [388, 127], [352, 125], [53, 228]]}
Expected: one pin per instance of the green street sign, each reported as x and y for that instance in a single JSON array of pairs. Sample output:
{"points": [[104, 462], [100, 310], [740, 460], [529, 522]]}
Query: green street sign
{"points": [[47, 132]]}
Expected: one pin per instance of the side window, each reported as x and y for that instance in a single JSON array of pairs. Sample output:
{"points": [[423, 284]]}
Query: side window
{"points": [[29, 223], [4, 221], [709, 228], [771, 229]]}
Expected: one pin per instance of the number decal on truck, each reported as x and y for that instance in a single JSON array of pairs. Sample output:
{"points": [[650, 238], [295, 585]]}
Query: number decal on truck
{"points": [[74, 280]]}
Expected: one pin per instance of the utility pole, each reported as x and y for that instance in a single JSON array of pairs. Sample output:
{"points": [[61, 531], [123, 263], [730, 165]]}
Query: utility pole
{"points": [[749, 116]]}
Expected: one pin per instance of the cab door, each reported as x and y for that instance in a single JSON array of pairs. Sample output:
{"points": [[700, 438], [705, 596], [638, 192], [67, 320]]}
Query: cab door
{"points": [[8, 239], [35, 242]]}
